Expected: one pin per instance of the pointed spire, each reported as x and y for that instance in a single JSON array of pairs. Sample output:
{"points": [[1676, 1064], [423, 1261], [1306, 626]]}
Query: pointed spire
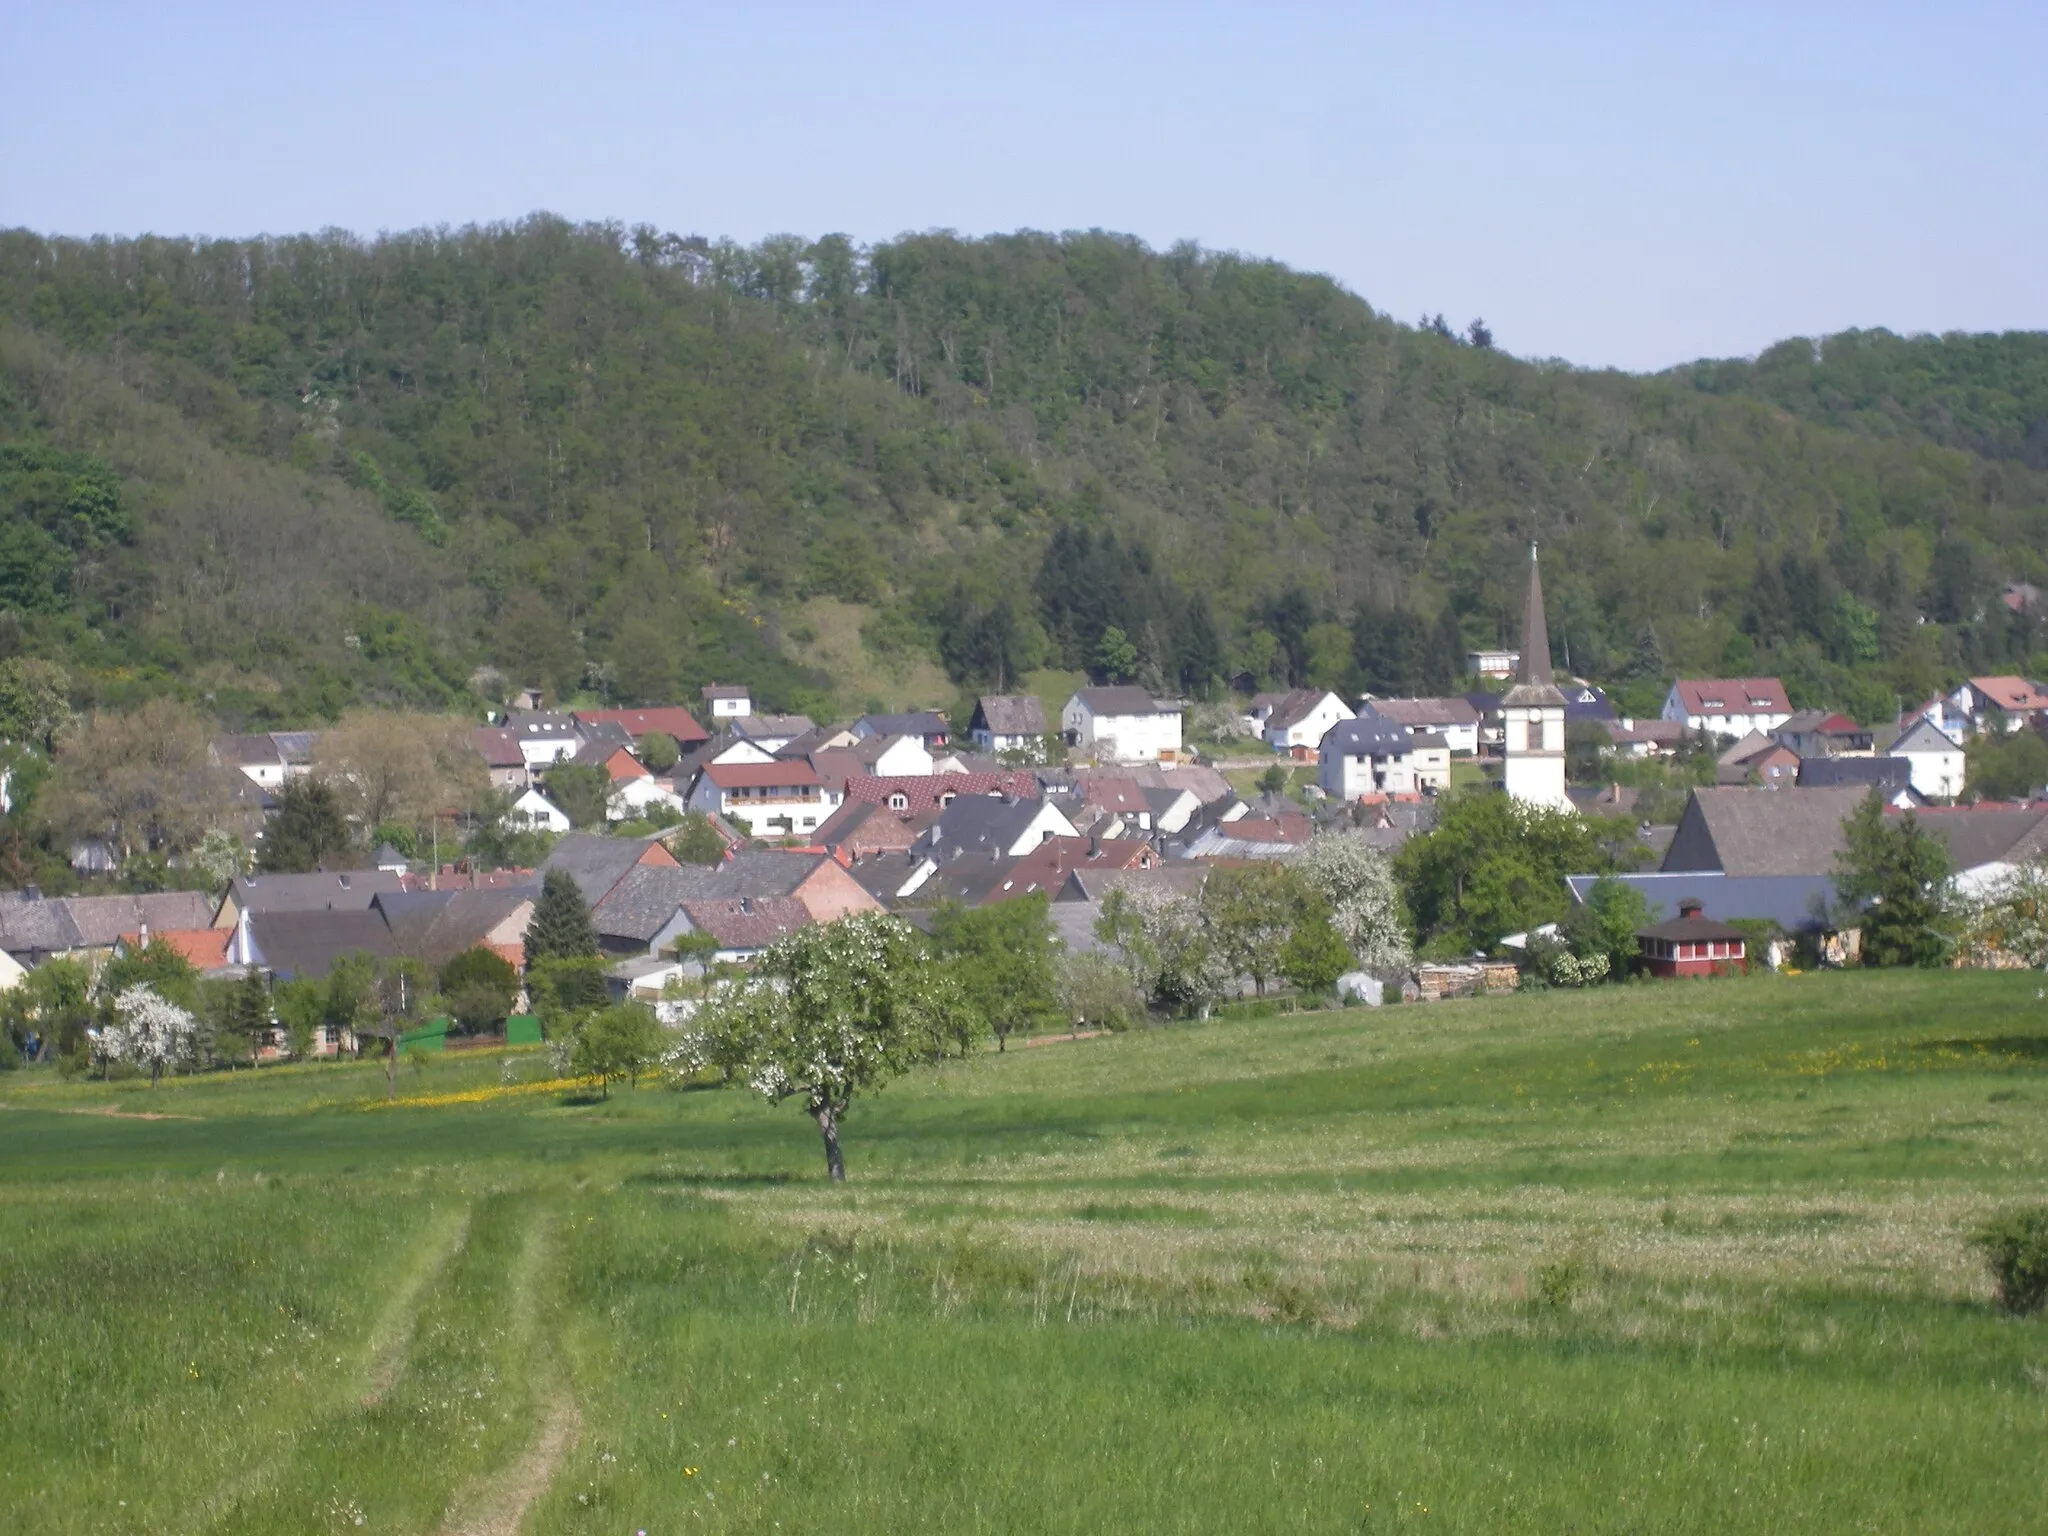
{"points": [[1535, 667]]}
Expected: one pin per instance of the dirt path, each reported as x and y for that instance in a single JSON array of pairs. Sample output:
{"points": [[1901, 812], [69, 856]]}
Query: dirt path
{"points": [[111, 1113], [1080, 1034], [499, 1507], [391, 1340]]}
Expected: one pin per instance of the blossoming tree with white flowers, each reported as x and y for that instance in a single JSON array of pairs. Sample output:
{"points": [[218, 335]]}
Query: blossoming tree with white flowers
{"points": [[149, 1030], [831, 1011]]}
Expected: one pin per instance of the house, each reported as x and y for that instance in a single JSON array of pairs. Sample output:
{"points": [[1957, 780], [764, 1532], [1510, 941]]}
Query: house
{"points": [[896, 756], [534, 812], [504, 759], [928, 726], [1254, 837], [1728, 706], [1691, 944], [1761, 831], [258, 758], [347, 890], [640, 915], [1584, 702], [1646, 738], [993, 826], [1987, 842], [436, 926], [819, 738], [1494, 663], [1429, 759], [817, 880], [726, 702], [670, 720], [633, 789], [545, 738], [1298, 721], [1757, 759], [1824, 733], [204, 949], [861, 827], [1795, 904], [743, 926], [1892, 775], [1122, 724], [1009, 722], [1454, 719], [1045, 870], [770, 733], [771, 799], [597, 864], [2006, 703], [1366, 755], [937, 791], [292, 945], [1935, 761]]}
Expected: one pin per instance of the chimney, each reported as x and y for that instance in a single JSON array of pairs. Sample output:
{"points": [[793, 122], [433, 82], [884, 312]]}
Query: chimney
{"points": [[31, 893], [1094, 846], [1689, 906], [142, 937]]}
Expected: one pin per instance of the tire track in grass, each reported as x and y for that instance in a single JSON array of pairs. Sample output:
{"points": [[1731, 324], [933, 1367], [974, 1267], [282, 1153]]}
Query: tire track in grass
{"points": [[498, 1507], [385, 1353]]}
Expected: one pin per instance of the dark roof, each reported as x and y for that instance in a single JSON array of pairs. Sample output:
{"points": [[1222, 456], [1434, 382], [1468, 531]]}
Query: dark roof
{"points": [[293, 944], [1533, 669], [498, 747], [760, 872], [644, 901], [920, 723], [1367, 734], [595, 863], [42, 923], [1296, 706], [102, 919], [726, 691], [1690, 930], [1046, 868], [1834, 772], [977, 823], [882, 875], [747, 922], [750, 727], [865, 824], [1424, 712], [1796, 903], [541, 725], [1009, 714], [1762, 831], [1184, 877], [347, 890], [1582, 701], [436, 926], [1121, 701], [1987, 834], [246, 751]]}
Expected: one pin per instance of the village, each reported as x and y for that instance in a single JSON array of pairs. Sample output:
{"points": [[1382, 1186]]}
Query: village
{"points": [[704, 837]]}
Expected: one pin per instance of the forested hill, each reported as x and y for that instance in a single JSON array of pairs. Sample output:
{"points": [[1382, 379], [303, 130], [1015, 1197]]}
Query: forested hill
{"points": [[287, 475]]}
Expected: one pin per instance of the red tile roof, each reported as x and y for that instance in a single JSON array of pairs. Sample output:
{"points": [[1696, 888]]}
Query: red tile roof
{"points": [[923, 793], [668, 719], [761, 775], [624, 765], [1732, 695], [2011, 694], [1046, 867], [205, 948], [747, 922]]}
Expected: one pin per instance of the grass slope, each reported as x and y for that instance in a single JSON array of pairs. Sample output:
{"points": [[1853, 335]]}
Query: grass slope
{"points": [[1680, 1258]]}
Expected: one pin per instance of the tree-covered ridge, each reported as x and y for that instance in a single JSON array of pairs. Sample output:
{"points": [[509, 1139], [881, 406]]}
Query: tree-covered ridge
{"points": [[626, 463], [1987, 394]]}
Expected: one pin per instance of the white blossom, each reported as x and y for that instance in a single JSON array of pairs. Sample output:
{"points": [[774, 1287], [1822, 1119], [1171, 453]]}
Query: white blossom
{"points": [[150, 1031]]}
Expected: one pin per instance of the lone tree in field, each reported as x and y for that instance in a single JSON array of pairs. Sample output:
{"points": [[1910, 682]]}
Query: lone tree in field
{"points": [[560, 928], [148, 1030], [832, 1011]]}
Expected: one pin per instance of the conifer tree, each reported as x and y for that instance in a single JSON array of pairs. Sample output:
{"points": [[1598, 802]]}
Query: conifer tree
{"points": [[561, 928]]}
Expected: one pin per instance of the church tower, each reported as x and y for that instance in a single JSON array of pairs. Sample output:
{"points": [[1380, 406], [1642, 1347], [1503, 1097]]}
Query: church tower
{"points": [[1532, 713]]}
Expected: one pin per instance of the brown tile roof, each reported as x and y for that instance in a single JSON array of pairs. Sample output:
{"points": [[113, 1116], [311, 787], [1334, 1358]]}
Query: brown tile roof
{"points": [[1765, 831], [2011, 694], [747, 922], [761, 775], [1732, 695], [668, 719], [1010, 714], [1426, 712], [923, 793], [1045, 868], [498, 746]]}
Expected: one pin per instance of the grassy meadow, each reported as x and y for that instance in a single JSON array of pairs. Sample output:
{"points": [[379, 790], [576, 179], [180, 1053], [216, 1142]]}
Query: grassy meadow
{"points": [[1681, 1258]]}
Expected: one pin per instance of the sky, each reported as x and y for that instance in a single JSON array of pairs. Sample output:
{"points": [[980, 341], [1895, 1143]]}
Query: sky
{"points": [[1628, 186]]}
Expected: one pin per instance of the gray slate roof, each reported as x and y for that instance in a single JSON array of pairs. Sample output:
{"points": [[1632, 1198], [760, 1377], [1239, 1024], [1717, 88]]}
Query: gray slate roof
{"points": [[346, 890], [596, 863], [920, 723], [1121, 701], [1009, 714], [1762, 831], [1367, 735], [1836, 772], [977, 823], [1990, 834], [643, 902], [293, 944], [1796, 903], [436, 926]]}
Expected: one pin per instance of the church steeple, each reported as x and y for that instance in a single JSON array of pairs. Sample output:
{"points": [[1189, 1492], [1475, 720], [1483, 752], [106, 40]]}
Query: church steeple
{"points": [[1535, 666]]}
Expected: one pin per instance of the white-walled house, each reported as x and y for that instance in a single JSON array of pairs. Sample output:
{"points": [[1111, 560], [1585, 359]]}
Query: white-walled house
{"points": [[1367, 755], [535, 812], [1122, 724], [772, 799], [895, 757], [1454, 719], [1935, 762], [726, 702], [545, 738], [1728, 706], [1298, 722], [2010, 701]]}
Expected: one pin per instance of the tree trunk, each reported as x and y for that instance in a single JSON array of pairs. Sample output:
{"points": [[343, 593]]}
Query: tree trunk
{"points": [[828, 1127], [391, 1067]]}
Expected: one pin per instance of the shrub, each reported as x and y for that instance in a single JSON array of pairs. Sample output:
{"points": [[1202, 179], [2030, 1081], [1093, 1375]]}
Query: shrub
{"points": [[2015, 1245]]}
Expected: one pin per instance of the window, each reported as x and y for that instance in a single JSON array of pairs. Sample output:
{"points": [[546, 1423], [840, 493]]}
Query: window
{"points": [[899, 801]]}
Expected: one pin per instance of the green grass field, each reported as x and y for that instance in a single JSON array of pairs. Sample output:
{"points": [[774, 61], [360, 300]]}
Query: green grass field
{"points": [[1687, 1258]]}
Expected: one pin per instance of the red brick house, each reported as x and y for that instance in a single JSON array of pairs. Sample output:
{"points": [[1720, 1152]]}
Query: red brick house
{"points": [[1691, 945]]}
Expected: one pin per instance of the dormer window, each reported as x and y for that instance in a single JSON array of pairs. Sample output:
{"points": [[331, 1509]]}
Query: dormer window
{"points": [[899, 801]]}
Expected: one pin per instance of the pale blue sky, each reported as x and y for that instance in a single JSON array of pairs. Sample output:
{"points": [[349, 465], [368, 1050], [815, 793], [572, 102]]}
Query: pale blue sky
{"points": [[1632, 185]]}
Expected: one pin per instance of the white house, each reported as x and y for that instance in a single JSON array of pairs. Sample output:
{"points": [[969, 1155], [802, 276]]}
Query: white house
{"points": [[1429, 759], [740, 750], [1298, 721], [2010, 701], [1935, 761], [771, 799], [1454, 719], [771, 733], [727, 702], [545, 738], [1009, 722], [1728, 706], [895, 757], [1366, 755], [1122, 724], [1493, 663], [633, 796], [534, 812]]}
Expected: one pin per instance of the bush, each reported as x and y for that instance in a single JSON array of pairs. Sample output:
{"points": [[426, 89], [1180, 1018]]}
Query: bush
{"points": [[2015, 1245]]}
